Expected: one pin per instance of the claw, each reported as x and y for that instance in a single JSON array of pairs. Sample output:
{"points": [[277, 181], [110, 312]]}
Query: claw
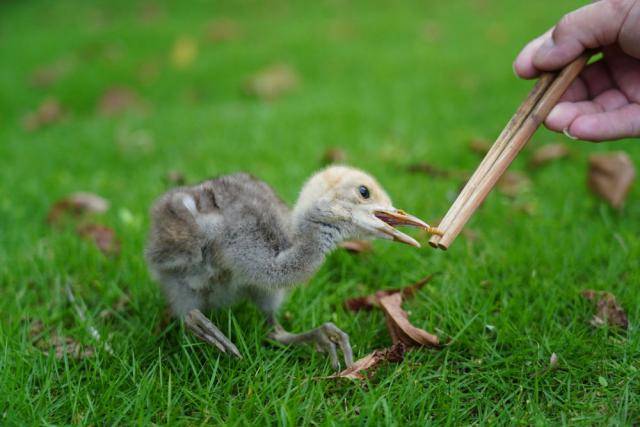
{"points": [[208, 332], [326, 338]]}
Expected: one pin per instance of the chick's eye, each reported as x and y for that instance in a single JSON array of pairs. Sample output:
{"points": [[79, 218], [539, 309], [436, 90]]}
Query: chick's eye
{"points": [[364, 192]]}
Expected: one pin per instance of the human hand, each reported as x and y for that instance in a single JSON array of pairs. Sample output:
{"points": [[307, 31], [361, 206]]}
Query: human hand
{"points": [[603, 103]]}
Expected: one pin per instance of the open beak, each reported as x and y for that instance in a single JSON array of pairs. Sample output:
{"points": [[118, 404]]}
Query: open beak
{"points": [[390, 218]]}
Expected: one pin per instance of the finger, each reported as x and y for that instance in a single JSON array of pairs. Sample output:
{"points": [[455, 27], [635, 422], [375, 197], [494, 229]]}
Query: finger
{"points": [[564, 113], [607, 126], [624, 70], [589, 27], [577, 91], [611, 99], [597, 78], [523, 65]]}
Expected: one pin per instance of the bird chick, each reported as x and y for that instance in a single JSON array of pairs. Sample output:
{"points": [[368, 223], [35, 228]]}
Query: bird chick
{"points": [[232, 238]]}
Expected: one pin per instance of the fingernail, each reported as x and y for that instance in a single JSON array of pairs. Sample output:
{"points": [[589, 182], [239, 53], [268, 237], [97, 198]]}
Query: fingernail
{"points": [[568, 134], [513, 68]]}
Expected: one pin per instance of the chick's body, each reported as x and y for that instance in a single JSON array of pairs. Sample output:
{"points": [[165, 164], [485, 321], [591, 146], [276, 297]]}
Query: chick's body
{"points": [[195, 256]]}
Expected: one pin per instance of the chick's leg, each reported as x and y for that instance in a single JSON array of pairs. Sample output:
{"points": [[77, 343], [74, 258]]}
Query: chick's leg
{"points": [[202, 327], [327, 338]]}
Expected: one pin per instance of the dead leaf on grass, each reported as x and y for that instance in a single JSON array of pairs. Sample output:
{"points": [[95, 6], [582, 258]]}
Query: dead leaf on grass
{"points": [[117, 100], [480, 146], [175, 178], [103, 237], [61, 345], [272, 82], [356, 246], [608, 311], [121, 305], [400, 329], [432, 32], [363, 368], [513, 183], [184, 52], [48, 112], [547, 154], [47, 75], [334, 155], [610, 176], [429, 170], [223, 30], [77, 204], [368, 302]]}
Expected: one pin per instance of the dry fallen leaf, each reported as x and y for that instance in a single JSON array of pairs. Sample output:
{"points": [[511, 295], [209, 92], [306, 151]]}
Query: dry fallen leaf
{"points": [[121, 304], [367, 302], [513, 183], [47, 113], [547, 154], [77, 204], [48, 75], [371, 361], [62, 346], [608, 311], [429, 170], [117, 100], [272, 82], [223, 30], [104, 237], [356, 246], [184, 52], [340, 30], [432, 32], [334, 155], [400, 329], [610, 176], [175, 177], [480, 146]]}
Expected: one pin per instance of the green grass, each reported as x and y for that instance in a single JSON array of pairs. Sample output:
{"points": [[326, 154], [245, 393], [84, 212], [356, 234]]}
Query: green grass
{"points": [[388, 96]]}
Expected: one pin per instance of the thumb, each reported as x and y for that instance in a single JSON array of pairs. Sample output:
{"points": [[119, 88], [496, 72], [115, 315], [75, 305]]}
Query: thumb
{"points": [[589, 27]]}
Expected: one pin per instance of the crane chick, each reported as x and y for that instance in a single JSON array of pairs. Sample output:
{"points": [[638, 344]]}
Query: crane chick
{"points": [[232, 238]]}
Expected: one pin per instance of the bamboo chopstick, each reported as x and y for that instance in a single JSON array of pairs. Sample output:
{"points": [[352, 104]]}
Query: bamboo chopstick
{"points": [[529, 116]]}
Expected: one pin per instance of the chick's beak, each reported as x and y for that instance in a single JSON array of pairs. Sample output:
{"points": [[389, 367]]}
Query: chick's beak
{"points": [[390, 218]]}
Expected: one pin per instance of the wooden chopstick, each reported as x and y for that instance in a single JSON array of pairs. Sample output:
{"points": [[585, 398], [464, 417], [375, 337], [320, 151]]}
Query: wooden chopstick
{"points": [[529, 116]]}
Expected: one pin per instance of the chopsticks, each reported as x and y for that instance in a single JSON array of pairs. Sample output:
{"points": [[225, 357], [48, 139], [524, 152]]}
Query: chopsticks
{"points": [[529, 116]]}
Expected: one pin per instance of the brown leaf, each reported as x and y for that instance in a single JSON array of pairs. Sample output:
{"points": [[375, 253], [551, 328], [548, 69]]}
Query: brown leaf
{"points": [[480, 146], [175, 177], [432, 32], [334, 155], [371, 361], [48, 75], [184, 52], [369, 301], [104, 237], [400, 329], [341, 30], [547, 154], [117, 100], [610, 176], [272, 82], [513, 183], [77, 204], [608, 311], [62, 346], [121, 304], [47, 113], [223, 30], [429, 170], [357, 246]]}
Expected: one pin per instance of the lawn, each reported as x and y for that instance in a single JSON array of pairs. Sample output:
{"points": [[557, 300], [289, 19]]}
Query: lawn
{"points": [[390, 84]]}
